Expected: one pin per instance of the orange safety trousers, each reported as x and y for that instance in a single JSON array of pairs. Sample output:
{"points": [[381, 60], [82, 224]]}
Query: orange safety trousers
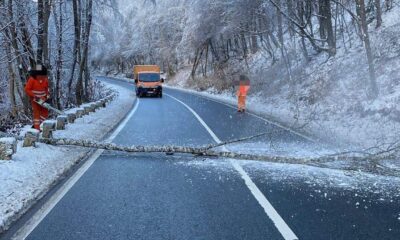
{"points": [[40, 114], [242, 93], [241, 102]]}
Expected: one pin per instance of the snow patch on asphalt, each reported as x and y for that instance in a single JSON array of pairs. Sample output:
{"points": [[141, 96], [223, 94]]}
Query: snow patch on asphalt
{"points": [[324, 180], [271, 147], [34, 170]]}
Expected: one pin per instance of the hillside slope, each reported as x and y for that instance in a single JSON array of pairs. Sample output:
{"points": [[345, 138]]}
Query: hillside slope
{"points": [[328, 95]]}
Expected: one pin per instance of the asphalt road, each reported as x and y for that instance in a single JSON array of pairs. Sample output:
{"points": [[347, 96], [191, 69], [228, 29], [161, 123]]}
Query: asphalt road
{"points": [[155, 196]]}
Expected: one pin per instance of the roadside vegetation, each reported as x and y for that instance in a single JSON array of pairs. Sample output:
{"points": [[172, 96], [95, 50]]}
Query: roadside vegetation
{"points": [[329, 67], [55, 33]]}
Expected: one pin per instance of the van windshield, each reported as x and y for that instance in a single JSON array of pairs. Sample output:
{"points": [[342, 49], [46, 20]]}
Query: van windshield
{"points": [[149, 77]]}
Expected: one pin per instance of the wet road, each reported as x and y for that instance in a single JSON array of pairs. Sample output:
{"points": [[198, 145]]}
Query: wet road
{"points": [[154, 196]]}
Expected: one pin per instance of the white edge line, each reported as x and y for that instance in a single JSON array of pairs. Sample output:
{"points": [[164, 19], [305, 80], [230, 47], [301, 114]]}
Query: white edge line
{"points": [[216, 139], [124, 123], [280, 224], [278, 221], [252, 114], [35, 220]]}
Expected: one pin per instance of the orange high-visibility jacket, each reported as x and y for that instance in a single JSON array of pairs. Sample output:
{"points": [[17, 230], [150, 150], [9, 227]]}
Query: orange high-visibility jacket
{"points": [[242, 91], [37, 87]]}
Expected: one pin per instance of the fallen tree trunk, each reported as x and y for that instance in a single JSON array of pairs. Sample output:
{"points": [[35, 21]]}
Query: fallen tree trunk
{"points": [[206, 151], [212, 151]]}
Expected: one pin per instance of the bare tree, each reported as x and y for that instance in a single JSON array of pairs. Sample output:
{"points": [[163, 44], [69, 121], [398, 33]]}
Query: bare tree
{"points": [[378, 13], [77, 43], [373, 88], [58, 17], [81, 90]]}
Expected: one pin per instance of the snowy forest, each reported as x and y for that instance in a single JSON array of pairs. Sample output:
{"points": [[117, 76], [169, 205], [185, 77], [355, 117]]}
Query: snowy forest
{"points": [[55, 34], [321, 62]]}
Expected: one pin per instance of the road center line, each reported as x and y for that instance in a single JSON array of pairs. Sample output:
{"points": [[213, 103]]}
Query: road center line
{"points": [[35, 220], [280, 224]]}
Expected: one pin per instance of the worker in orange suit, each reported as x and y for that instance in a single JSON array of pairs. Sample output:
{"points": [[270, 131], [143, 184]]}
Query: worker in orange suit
{"points": [[37, 88], [244, 86]]}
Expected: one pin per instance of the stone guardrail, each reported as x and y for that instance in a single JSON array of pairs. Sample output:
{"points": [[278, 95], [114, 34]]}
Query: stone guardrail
{"points": [[8, 145]]}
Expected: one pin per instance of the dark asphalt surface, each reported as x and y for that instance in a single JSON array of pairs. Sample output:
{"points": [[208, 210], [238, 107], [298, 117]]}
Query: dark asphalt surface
{"points": [[154, 196]]}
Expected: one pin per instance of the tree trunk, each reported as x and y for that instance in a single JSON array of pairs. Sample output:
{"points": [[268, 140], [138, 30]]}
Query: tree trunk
{"points": [[80, 94], [11, 82], [280, 24], [322, 30], [378, 13], [329, 28], [58, 76], [46, 16], [365, 36], [289, 4], [254, 39], [40, 31], [77, 40], [326, 26]]}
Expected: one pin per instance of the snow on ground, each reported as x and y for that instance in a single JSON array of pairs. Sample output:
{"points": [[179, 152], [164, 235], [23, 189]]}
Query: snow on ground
{"points": [[328, 100], [33, 171], [306, 149], [322, 180]]}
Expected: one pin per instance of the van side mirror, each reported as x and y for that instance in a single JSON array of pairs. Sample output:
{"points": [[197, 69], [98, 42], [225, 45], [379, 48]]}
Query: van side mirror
{"points": [[136, 81], [162, 80]]}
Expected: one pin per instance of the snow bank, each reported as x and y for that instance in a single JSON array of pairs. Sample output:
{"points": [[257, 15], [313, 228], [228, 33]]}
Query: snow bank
{"points": [[33, 171]]}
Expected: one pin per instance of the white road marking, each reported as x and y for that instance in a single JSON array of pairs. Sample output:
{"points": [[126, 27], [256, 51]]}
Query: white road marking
{"points": [[35, 220], [253, 115], [280, 224], [216, 139], [124, 123]]}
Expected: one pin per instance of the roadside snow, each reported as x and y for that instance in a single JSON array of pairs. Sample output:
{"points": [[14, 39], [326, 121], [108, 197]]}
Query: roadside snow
{"points": [[29, 175], [33, 171]]}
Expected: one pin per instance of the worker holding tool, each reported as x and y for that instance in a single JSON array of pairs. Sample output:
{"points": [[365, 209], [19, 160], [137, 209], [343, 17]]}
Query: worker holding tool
{"points": [[244, 86], [37, 88]]}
